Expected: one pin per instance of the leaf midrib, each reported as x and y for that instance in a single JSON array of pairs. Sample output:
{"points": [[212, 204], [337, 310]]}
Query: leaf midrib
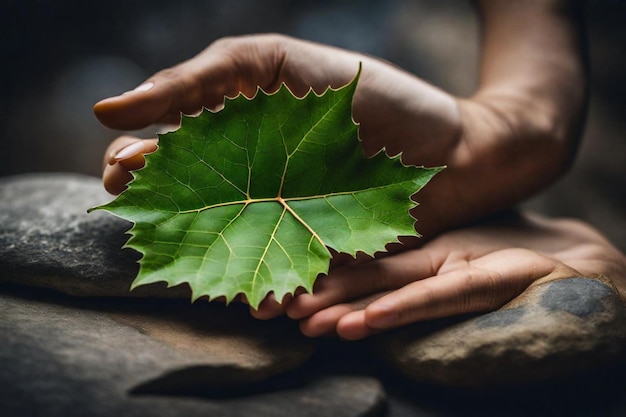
{"points": [[286, 208], [280, 199]]}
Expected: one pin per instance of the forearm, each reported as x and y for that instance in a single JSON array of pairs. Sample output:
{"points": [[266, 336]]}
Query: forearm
{"points": [[533, 73], [520, 129]]}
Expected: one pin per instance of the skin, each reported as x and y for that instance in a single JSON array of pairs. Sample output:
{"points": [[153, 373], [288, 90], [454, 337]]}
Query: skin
{"points": [[515, 135], [512, 137], [472, 269]]}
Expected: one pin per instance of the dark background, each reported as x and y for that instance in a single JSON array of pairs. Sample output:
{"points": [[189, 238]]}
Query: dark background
{"points": [[59, 57]]}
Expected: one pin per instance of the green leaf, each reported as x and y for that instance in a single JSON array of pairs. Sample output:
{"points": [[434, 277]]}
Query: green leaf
{"points": [[248, 200]]}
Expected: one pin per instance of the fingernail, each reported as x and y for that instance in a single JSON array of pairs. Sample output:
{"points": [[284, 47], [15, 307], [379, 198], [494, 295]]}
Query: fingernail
{"points": [[142, 87], [129, 151]]}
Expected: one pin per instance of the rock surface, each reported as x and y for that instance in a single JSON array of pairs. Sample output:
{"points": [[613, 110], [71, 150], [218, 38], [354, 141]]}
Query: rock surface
{"points": [[160, 346], [47, 239], [63, 356], [553, 330], [101, 356]]}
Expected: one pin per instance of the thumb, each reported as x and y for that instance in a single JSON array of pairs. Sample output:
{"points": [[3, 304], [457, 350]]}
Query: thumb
{"points": [[134, 109], [161, 98], [226, 68]]}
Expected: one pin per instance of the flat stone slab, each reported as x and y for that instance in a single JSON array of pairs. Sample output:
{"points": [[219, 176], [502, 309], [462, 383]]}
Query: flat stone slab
{"points": [[63, 356], [47, 239], [553, 330], [109, 352]]}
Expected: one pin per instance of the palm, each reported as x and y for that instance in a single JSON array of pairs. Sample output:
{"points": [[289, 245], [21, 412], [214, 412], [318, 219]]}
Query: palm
{"points": [[473, 269]]}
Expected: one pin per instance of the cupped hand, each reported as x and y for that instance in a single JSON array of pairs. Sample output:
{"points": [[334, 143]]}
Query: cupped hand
{"points": [[473, 269], [500, 145], [393, 107]]}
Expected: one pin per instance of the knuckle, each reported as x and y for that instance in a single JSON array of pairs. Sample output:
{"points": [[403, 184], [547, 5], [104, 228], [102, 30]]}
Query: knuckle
{"points": [[225, 42], [172, 73], [247, 42]]}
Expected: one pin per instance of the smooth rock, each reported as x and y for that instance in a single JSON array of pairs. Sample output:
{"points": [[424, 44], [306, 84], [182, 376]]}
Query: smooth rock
{"points": [[63, 356], [47, 238], [552, 331], [94, 355]]}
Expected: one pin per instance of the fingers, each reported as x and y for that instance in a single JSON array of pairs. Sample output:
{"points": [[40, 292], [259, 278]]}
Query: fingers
{"points": [[333, 294], [160, 99], [270, 307], [226, 68], [134, 109], [125, 154], [346, 320], [484, 284], [116, 146], [347, 283]]}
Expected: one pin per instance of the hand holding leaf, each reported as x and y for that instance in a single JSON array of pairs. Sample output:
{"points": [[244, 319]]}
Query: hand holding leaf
{"points": [[248, 200]]}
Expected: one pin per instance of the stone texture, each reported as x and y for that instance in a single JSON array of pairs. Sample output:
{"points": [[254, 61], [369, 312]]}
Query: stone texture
{"points": [[156, 355], [552, 331], [63, 356], [47, 239], [67, 354]]}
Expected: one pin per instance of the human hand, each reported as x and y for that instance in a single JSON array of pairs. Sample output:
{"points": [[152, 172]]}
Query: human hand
{"points": [[392, 102], [512, 137], [124, 154], [474, 269]]}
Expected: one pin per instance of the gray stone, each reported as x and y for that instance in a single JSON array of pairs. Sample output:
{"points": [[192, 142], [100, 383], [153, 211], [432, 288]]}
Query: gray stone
{"points": [[554, 330], [63, 356], [47, 239], [156, 355]]}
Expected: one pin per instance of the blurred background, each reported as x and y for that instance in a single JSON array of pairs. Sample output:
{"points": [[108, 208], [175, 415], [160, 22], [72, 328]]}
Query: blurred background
{"points": [[60, 57]]}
